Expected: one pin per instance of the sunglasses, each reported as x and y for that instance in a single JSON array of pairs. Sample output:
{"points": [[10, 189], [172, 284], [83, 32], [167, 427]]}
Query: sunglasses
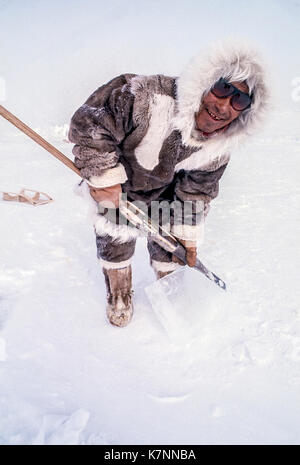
{"points": [[239, 100]]}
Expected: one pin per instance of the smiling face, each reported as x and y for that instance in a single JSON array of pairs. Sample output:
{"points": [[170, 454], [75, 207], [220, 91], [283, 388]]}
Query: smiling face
{"points": [[216, 113]]}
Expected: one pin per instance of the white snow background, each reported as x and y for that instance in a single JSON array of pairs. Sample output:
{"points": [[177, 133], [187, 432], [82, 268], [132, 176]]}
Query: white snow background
{"points": [[229, 372]]}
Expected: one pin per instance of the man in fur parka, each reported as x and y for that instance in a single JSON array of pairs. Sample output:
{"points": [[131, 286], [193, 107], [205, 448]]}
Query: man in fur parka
{"points": [[163, 138]]}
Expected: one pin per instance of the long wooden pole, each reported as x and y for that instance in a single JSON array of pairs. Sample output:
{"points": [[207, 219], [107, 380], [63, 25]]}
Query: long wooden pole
{"points": [[37, 138]]}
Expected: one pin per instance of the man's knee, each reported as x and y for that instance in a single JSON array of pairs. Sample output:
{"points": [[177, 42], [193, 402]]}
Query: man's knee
{"points": [[111, 251]]}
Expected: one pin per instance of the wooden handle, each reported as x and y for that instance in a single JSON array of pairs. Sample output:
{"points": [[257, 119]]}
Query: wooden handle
{"points": [[38, 139]]}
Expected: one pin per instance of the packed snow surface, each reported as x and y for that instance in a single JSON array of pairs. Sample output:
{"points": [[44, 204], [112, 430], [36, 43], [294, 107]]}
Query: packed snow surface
{"points": [[196, 365]]}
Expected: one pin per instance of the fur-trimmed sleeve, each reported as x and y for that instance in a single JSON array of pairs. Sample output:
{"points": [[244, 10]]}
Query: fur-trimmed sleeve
{"points": [[194, 190], [98, 127]]}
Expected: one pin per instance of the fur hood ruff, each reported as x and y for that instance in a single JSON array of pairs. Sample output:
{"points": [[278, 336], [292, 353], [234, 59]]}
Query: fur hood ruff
{"points": [[234, 61]]}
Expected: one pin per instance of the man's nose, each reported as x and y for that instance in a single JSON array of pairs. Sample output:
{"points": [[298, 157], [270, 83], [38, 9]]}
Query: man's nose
{"points": [[223, 105]]}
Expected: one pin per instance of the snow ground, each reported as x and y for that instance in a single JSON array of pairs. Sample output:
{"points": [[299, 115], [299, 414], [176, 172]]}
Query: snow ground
{"points": [[228, 374]]}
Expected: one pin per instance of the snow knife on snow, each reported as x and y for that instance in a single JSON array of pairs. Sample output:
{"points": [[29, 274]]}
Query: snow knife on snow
{"points": [[164, 238]]}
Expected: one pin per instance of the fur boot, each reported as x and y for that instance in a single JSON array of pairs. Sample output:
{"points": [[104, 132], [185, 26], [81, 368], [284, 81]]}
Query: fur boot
{"points": [[118, 282]]}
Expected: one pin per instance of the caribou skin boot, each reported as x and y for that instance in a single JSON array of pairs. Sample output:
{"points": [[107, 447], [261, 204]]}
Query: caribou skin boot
{"points": [[119, 307]]}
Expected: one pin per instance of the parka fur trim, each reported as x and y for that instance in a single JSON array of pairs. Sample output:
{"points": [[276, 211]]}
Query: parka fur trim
{"points": [[231, 59], [109, 177]]}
